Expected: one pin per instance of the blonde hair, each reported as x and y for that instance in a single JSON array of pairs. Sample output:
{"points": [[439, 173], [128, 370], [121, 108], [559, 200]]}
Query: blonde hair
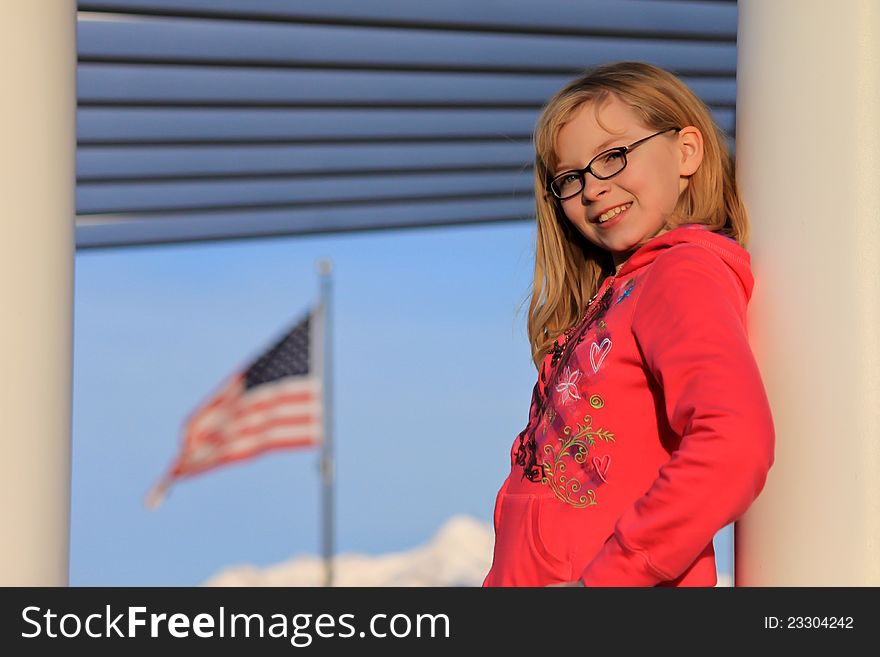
{"points": [[568, 267]]}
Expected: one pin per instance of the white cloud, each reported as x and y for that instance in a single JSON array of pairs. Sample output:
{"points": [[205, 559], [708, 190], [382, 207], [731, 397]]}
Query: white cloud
{"points": [[460, 554]]}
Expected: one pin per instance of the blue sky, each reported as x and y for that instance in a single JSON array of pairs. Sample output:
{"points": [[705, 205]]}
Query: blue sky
{"points": [[432, 383]]}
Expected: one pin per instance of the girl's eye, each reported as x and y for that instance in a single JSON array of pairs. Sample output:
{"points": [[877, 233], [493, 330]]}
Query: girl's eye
{"points": [[570, 178], [614, 155]]}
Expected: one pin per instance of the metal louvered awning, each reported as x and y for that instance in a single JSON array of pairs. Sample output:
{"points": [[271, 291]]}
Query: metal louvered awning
{"points": [[218, 119]]}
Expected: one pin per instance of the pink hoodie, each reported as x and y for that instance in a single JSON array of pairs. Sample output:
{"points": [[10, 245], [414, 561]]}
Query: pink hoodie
{"points": [[650, 436]]}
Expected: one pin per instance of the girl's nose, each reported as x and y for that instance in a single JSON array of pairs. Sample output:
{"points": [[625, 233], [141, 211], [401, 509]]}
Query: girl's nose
{"points": [[593, 188]]}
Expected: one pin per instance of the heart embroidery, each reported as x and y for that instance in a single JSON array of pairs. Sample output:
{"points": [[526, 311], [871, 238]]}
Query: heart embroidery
{"points": [[602, 466], [598, 353]]}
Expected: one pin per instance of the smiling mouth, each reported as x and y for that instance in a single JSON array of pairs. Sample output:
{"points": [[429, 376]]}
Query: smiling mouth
{"points": [[612, 214]]}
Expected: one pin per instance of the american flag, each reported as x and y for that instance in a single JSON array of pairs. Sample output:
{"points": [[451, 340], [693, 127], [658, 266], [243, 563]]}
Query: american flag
{"points": [[274, 402]]}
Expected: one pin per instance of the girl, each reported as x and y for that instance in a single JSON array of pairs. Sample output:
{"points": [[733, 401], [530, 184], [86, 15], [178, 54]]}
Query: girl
{"points": [[649, 427]]}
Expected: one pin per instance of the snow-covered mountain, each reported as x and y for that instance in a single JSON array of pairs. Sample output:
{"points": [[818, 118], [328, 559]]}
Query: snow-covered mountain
{"points": [[459, 554]]}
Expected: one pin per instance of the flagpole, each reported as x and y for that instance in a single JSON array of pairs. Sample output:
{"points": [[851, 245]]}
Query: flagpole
{"points": [[327, 465]]}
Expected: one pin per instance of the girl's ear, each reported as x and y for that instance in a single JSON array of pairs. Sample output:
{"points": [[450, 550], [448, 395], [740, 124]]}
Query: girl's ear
{"points": [[690, 144]]}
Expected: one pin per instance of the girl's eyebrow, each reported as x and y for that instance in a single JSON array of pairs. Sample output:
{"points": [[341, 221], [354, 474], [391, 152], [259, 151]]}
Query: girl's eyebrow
{"points": [[565, 167]]}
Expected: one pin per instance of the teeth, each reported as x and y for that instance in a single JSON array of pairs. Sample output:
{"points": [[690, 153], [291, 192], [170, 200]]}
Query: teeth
{"points": [[613, 212]]}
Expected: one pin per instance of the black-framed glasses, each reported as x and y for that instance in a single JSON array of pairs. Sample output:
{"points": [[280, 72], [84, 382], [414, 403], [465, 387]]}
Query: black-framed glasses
{"points": [[605, 165]]}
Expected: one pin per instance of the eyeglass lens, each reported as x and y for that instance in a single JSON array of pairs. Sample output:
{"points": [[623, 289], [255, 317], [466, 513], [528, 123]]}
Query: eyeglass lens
{"points": [[572, 183]]}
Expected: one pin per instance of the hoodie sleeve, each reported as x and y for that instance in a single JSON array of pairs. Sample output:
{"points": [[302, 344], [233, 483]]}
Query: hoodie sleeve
{"points": [[690, 325]]}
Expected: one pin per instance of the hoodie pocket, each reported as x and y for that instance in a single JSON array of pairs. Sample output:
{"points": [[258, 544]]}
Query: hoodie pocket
{"points": [[522, 557]]}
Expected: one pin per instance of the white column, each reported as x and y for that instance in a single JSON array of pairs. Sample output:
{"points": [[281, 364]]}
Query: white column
{"points": [[37, 175], [808, 162]]}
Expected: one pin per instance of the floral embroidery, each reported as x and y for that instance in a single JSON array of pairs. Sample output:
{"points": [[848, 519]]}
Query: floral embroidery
{"points": [[574, 447], [568, 386], [526, 453], [598, 353]]}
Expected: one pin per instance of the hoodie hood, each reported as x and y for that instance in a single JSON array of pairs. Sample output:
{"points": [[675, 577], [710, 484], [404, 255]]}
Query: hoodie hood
{"points": [[734, 256]]}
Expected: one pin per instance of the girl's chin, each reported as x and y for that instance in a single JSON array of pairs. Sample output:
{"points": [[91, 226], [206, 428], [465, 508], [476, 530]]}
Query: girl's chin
{"points": [[621, 244], [615, 242], [621, 241]]}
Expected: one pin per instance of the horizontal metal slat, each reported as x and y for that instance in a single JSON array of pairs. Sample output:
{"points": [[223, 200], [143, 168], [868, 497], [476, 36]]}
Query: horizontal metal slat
{"points": [[682, 19], [211, 124], [116, 84], [183, 125], [129, 230], [150, 39], [134, 162], [311, 190]]}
